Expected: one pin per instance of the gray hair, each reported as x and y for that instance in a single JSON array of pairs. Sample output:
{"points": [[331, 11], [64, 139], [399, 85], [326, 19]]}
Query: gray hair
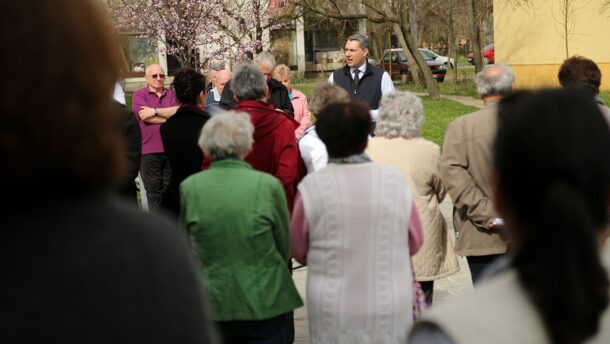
{"points": [[248, 83], [401, 114], [227, 133], [265, 58], [326, 93], [362, 40], [495, 80]]}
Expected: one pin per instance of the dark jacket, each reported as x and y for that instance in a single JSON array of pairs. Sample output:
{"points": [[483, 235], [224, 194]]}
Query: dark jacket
{"points": [[94, 269], [133, 143], [180, 135], [275, 149], [278, 96], [368, 89]]}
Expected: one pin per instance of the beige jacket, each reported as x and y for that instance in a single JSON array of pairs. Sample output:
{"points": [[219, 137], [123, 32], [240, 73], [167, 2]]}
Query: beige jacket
{"points": [[466, 168], [419, 162]]}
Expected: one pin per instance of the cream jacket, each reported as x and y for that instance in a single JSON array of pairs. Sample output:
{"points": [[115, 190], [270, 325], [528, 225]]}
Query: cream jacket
{"points": [[419, 162]]}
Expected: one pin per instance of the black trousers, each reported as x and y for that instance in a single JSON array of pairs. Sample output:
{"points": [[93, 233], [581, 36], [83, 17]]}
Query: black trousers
{"points": [[478, 264], [428, 288], [155, 172], [268, 331]]}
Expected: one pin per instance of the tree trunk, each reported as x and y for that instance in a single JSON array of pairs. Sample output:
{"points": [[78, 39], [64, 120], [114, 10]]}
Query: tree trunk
{"points": [[475, 36], [419, 59], [413, 66]]}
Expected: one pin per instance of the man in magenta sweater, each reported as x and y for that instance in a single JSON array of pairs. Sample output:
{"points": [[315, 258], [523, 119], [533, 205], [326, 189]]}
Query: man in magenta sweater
{"points": [[154, 104]]}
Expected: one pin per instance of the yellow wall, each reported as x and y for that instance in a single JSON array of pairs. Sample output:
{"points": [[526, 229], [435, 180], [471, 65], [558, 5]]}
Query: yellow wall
{"points": [[530, 38]]}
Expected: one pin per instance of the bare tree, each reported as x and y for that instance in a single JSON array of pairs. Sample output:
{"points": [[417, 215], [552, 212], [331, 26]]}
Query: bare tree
{"points": [[565, 19]]}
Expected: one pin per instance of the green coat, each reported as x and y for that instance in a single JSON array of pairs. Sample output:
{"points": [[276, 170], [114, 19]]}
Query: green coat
{"points": [[239, 225]]}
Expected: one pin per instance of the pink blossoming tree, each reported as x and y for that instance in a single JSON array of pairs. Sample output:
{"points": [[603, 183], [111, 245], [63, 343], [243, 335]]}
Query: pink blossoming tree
{"points": [[199, 32]]}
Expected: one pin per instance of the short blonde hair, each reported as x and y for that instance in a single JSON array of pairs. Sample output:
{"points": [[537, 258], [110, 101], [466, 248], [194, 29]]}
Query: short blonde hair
{"points": [[326, 93], [227, 133], [282, 70]]}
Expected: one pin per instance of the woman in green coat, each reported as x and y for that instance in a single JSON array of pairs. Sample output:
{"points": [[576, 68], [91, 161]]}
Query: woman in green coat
{"points": [[238, 221]]}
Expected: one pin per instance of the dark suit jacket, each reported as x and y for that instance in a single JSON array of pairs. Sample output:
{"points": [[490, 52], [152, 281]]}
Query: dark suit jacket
{"points": [[278, 96], [133, 143]]}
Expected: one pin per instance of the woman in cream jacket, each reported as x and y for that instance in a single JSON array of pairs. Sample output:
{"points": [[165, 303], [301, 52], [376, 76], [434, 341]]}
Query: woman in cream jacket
{"points": [[398, 143]]}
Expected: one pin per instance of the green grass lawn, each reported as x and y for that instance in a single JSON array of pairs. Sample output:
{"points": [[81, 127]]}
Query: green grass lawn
{"points": [[439, 113], [453, 88]]}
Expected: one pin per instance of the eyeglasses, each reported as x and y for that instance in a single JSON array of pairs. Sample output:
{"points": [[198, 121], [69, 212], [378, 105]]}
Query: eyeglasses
{"points": [[159, 76]]}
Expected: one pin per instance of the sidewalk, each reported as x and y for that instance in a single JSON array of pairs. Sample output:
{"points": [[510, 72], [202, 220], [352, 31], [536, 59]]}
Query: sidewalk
{"points": [[444, 289]]}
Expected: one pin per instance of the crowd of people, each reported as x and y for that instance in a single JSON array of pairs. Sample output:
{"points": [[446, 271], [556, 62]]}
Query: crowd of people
{"points": [[243, 173]]}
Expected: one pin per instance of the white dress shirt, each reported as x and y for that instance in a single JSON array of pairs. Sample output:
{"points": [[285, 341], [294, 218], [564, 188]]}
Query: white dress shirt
{"points": [[387, 85]]}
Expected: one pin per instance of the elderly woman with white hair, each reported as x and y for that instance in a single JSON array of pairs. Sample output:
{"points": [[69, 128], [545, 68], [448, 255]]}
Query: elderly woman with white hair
{"points": [[398, 143], [238, 222]]}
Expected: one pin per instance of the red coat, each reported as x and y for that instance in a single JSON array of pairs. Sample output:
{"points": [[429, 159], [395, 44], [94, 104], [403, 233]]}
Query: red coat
{"points": [[275, 149]]}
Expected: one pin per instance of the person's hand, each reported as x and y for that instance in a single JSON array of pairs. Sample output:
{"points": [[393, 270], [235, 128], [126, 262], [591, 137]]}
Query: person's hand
{"points": [[495, 223], [146, 112]]}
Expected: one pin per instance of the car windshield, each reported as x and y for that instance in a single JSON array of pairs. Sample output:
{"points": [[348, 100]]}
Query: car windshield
{"points": [[403, 57], [428, 55]]}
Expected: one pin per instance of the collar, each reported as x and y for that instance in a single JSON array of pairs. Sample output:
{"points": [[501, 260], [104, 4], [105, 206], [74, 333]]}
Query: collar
{"points": [[230, 162], [599, 100], [352, 159], [254, 104], [163, 91], [191, 107], [362, 69]]}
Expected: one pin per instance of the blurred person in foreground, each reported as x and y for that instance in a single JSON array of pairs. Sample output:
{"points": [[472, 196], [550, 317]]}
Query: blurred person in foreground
{"points": [[180, 134], [239, 225], [398, 143], [578, 71], [275, 149], [466, 173], [312, 149], [355, 226], [552, 190], [78, 265], [302, 115]]}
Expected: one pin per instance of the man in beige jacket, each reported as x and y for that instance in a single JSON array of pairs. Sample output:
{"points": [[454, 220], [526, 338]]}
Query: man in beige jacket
{"points": [[466, 172]]}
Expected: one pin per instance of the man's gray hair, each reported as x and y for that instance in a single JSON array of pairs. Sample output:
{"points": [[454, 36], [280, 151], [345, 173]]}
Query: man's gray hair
{"points": [[265, 58], [401, 114], [362, 40], [495, 80], [248, 83], [226, 134]]}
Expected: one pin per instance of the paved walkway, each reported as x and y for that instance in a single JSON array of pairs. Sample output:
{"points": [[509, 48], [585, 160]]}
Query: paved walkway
{"points": [[444, 289]]}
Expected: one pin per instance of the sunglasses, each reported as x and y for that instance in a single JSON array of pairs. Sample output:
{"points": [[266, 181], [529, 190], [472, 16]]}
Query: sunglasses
{"points": [[159, 76]]}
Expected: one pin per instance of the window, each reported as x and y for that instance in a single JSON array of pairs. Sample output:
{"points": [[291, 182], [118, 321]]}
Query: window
{"points": [[139, 53]]}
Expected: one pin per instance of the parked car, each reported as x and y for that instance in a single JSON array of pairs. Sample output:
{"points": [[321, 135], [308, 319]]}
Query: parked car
{"points": [[488, 55], [448, 61], [395, 63]]}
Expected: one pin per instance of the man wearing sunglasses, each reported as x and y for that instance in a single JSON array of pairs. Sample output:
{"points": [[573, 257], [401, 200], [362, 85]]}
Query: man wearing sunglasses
{"points": [[154, 104]]}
